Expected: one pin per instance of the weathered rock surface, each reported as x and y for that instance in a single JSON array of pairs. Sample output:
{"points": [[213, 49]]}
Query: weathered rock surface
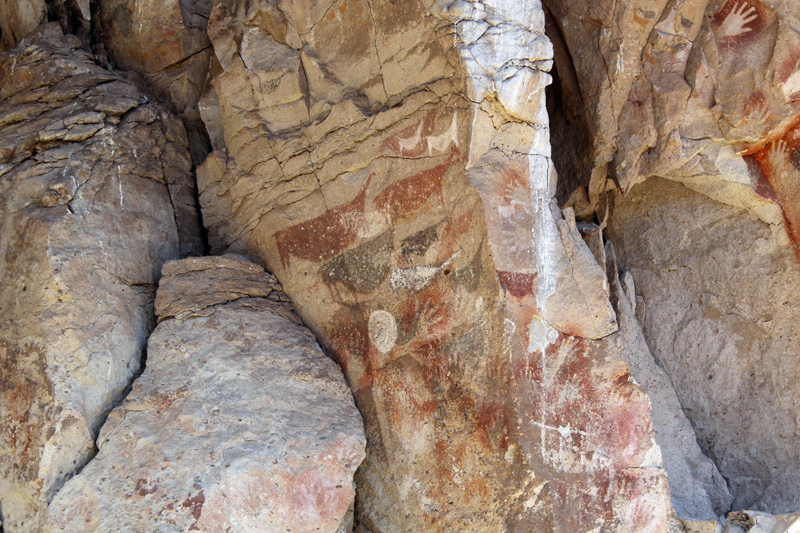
{"points": [[699, 91], [393, 181], [167, 44], [95, 195], [720, 313], [756, 522], [704, 93], [239, 422], [20, 17], [698, 490]]}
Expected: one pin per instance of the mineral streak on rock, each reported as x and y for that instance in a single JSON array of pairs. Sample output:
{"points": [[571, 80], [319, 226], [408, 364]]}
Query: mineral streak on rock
{"points": [[95, 195], [239, 422]]}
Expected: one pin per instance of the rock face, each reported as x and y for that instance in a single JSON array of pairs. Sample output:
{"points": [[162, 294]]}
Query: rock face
{"points": [[20, 17], [238, 423], [720, 313], [699, 492], [95, 195], [417, 234], [704, 93], [167, 44]]}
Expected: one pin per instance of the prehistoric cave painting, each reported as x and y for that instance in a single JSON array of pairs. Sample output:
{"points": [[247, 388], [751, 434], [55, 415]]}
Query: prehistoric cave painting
{"points": [[360, 270], [323, 237], [470, 275], [415, 139], [408, 141], [517, 284], [382, 329], [789, 77], [780, 163], [740, 22], [426, 313], [455, 229], [757, 114], [409, 194], [419, 243], [446, 140]]}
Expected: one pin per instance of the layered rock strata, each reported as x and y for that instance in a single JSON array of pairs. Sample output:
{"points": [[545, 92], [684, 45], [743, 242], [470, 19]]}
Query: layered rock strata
{"points": [[239, 422], [95, 195]]}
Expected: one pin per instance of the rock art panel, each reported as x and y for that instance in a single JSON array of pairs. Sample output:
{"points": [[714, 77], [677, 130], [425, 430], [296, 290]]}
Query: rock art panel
{"points": [[238, 422], [417, 234], [96, 195], [710, 102]]}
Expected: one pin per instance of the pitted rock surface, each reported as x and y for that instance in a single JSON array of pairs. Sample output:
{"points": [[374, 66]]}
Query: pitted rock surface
{"points": [[95, 195], [238, 423]]}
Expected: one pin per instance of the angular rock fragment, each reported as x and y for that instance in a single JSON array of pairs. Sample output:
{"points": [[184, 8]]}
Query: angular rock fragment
{"points": [[239, 422], [95, 195]]}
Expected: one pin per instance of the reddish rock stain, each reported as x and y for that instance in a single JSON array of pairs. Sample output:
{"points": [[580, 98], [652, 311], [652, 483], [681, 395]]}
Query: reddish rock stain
{"points": [[409, 194], [323, 237], [195, 507], [517, 284]]}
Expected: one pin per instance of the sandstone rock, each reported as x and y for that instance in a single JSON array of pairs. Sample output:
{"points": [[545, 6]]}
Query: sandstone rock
{"points": [[699, 91], [719, 313], [20, 17], [399, 184], [196, 285], [167, 44], [95, 196], [239, 422]]}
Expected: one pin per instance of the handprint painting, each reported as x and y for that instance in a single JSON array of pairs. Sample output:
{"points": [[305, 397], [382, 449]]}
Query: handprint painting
{"points": [[739, 22], [780, 163]]}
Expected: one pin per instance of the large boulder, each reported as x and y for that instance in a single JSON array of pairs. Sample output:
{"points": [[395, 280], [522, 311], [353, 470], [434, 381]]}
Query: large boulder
{"points": [[238, 423], [398, 181], [95, 195]]}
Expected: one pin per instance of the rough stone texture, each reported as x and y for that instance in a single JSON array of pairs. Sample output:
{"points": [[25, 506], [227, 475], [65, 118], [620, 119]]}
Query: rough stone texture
{"points": [[756, 522], [720, 313], [167, 44], [698, 490], [95, 195], [705, 93], [399, 184], [20, 17], [239, 422], [197, 285], [700, 91]]}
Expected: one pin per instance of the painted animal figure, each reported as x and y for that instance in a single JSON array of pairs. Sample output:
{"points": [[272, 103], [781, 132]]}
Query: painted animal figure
{"points": [[409, 144], [443, 141], [323, 237], [409, 194]]}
